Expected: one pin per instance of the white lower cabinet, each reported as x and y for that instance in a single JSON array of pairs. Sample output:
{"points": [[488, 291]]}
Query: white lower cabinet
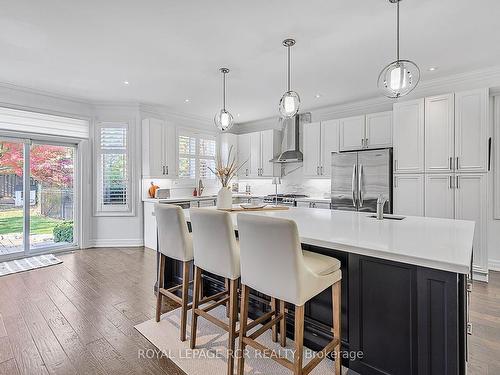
{"points": [[461, 196], [150, 238], [408, 194], [471, 204], [439, 195]]}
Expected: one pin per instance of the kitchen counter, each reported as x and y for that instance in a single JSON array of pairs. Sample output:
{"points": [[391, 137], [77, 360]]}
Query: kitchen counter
{"points": [[404, 289], [441, 244], [191, 198]]}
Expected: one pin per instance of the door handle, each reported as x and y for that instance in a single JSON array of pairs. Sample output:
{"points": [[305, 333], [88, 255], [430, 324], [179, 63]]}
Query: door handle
{"points": [[456, 165], [353, 185], [451, 163], [166, 169], [457, 184], [451, 182], [360, 184]]}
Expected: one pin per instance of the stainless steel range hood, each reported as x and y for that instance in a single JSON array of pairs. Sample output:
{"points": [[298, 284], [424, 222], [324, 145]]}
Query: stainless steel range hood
{"points": [[292, 139]]}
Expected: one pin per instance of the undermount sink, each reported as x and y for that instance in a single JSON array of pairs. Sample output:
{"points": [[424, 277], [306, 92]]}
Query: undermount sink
{"points": [[390, 217]]}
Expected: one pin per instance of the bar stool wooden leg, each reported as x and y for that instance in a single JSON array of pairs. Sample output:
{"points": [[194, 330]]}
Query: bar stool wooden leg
{"points": [[283, 324], [185, 298], [274, 306], [161, 281], [226, 285], [336, 294], [196, 302], [233, 318], [299, 339], [243, 328]]}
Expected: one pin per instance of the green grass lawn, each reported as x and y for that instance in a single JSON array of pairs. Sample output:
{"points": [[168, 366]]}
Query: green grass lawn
{"points": [[11, 221]]}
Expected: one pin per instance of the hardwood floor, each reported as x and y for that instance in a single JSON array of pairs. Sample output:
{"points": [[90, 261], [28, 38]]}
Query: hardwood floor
{"points": [[78, 317]]}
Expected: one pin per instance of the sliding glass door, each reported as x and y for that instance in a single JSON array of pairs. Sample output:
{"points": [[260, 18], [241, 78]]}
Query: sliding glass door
{"points": [[44, 173], [12, 223]]}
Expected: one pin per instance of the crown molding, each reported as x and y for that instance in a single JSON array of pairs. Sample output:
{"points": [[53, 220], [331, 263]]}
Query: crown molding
{"points": [[488, 77]]}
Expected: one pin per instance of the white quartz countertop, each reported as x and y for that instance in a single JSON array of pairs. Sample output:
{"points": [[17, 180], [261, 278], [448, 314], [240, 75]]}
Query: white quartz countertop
{"points": [[195, 199], [442, 244]]}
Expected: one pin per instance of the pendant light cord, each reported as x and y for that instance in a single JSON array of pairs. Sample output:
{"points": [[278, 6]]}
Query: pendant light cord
{"points": [[397, 31], [288, 78], [224, 91]]}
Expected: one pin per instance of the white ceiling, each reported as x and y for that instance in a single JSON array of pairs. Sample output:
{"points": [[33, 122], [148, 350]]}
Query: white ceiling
{"points": [[171, 50]]}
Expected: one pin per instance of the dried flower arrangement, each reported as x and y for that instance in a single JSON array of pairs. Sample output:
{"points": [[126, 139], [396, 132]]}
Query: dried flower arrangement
{"points": [[226, 171]]}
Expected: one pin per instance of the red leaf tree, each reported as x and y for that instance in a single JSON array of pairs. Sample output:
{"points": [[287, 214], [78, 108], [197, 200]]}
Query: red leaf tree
{"points": [[49, 165]]}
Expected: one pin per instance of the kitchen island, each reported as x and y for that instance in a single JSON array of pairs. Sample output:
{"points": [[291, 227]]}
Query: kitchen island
{"points": [[404, 289]]}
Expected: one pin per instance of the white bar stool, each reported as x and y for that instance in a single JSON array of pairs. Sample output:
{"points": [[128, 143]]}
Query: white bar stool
{"points": [[174, 241], [273, 263], [217, 251]]}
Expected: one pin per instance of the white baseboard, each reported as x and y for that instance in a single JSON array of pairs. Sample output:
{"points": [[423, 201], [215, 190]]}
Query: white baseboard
{"points": [[120, 242], [494, 264]]}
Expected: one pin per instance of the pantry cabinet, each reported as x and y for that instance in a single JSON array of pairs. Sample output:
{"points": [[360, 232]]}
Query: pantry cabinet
{"points": [[471, 131], [439, 133], [439, 196], [408, 151], [158, 149], [408, 194]]}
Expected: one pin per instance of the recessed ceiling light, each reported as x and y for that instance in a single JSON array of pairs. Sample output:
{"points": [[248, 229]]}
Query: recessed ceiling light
{"points": [[237, 115], [432, 68], [126, 83], [186, 100], [317, 96]]}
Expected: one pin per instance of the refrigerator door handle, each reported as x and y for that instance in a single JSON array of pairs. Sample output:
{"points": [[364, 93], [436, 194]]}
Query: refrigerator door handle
{"points": [[360, 184], [353, 185]]}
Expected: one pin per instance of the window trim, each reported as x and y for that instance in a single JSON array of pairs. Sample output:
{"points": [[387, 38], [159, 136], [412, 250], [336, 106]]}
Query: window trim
{"points": [[129, 208], [196, 133]]}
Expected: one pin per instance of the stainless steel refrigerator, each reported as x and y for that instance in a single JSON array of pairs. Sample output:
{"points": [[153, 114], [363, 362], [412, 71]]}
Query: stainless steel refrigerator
{"points": [[359, 178]]}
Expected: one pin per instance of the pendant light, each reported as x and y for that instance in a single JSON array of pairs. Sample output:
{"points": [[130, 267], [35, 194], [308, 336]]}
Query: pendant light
{"points": [[400, 77], [290, 101], [223, 119]]}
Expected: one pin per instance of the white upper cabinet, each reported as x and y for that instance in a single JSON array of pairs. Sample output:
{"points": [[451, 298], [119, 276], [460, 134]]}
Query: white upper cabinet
{"points": [[378, 130], [439, 133], [319, 141], [352, 133], [408, 136], [158, 149], [311, 149], [408, 194], [255, 155], [439, 195], [244, 155], [329, 144], [471, 130], [267, 152], [258, 148], [470, 204]]}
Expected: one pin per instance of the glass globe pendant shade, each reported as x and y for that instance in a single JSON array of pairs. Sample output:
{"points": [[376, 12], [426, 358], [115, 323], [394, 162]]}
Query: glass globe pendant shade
{"points": [[289, 104], [399, 78], [223, 120]]}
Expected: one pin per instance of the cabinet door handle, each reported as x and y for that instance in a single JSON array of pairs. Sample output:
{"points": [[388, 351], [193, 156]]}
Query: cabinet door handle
{"points": [[456, 165], [457, 184], [321, 170], [451, 182], [166, 170], [395, 164], [317, 170], [163, 168], [451, 163]]}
